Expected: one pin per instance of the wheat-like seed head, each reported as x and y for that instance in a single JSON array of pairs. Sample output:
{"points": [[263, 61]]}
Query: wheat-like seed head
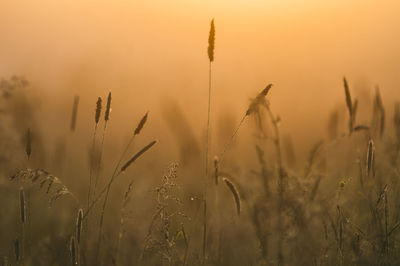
{"points": [[108, 107], [74, 112], [348, 97], [258, 101], [51, 184], [137, 155], [235, 193], [141, 124], [211, 42], [98, 110]]}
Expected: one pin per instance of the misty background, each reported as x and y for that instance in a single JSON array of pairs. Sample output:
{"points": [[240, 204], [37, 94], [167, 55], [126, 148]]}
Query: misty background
{"points": [[152, 54]]}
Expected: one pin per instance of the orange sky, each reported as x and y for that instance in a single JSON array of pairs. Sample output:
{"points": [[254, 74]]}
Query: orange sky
{"points": [[146, 51]]}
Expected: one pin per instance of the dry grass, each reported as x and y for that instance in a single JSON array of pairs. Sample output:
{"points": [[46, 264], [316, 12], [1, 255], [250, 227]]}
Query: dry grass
{"points": [[74, 113], [337, 206], [235, 193]]}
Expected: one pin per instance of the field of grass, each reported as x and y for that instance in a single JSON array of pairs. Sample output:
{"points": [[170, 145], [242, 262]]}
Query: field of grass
{"points": [[217, 204]]}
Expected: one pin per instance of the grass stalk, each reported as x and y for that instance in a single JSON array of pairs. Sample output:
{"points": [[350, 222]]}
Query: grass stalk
{"points": [[23, 220], [117, 172], [127, 197], [210, 51], [281, 187], [96, 119], [106, 118]]}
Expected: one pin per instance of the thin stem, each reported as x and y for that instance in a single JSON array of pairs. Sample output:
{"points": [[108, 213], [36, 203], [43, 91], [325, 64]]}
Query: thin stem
{"points": [[121, 229], [208, 118], [204, 230], [23, 242], [100, 160], [107, 191], [230, 141], [186, 245], [386, 224], [103, 191], [281, 184], [121, 223], [207, 151], [91, 165], [277, 138]]}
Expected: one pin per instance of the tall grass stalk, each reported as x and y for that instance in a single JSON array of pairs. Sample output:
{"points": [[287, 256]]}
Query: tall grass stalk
{"points": [[210, 51], [72, 250], [253, 108], [118, 171], [79, 220], [106, 118], [17, 251], [125, 202], [281, 183], [96, 120]]}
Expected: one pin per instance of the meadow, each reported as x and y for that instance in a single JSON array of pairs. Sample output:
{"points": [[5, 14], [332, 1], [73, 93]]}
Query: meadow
{"points": [[87, 197]]}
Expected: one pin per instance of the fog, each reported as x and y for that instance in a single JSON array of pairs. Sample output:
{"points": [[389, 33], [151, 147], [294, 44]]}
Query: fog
{"points": [[274, 198], [151, 52]]}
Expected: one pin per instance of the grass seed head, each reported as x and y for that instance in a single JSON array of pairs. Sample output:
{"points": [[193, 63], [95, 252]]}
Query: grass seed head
{"points": [[258, 101], [141, 124], [235, 193], [98, 110], [74, 112], [137, 155], [348, 96], [108, 108], [211, 42]]}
